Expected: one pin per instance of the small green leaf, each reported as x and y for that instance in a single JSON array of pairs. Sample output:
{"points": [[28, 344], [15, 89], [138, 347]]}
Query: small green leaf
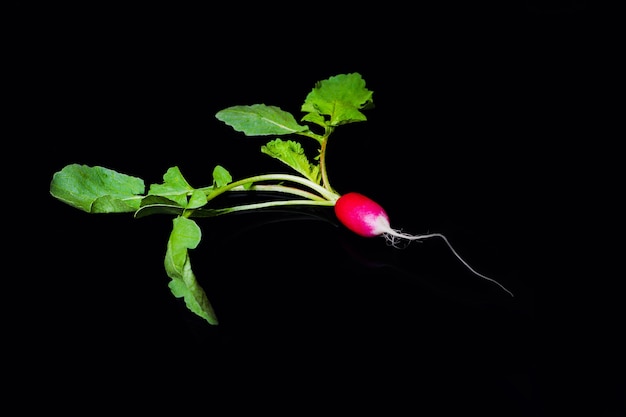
{"points": [[174, 187], [197, 199], [291, 153], [340, 98], [97, 189], [260, 120], [173, 184], [186, 234], [221, 176]]}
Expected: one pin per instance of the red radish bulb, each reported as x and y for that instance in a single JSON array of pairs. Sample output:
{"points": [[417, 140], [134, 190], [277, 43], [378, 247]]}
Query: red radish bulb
{"points": [[367, 218], [362, 215]]}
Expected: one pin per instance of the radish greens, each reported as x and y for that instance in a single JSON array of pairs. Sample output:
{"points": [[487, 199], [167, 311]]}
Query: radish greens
{"points": [[333, 102]]}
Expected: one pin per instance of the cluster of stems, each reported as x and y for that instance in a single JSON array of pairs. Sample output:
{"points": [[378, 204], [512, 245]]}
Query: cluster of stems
{"points": [[310, 192]]}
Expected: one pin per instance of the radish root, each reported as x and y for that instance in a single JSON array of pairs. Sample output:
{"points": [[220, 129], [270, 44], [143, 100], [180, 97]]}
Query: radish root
{"points": [[395, 238]]}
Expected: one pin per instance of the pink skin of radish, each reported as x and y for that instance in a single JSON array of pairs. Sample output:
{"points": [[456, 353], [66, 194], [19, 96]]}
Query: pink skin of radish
{"points": [[367, 218]]}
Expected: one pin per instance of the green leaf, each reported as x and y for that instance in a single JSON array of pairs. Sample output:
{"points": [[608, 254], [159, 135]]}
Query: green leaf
{"points": [[186, 234], [291, 153], [97, 189], [221, 176], [175, 194], [260, 120], [339, 98], [197, 199], [175, 187]]}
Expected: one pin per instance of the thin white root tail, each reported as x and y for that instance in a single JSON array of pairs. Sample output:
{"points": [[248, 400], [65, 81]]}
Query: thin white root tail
{"points": [[393, 237]]}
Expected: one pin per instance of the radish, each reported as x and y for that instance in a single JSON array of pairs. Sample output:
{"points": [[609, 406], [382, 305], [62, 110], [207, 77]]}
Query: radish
{"points": [[333, 102], [367, 218]]}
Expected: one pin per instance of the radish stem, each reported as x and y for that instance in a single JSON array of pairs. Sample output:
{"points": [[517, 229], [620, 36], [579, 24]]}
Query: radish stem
{"points": [[327, 194], [254, 206], [323, 170], [281, 189]]}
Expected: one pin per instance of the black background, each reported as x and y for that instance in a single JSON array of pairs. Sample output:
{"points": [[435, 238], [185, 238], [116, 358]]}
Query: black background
{"points": [[488, 128]]}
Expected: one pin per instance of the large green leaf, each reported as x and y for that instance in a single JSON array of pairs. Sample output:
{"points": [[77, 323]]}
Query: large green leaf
{"points": [[341, 98], [186, 234], [97, 189], [260, 120]]}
